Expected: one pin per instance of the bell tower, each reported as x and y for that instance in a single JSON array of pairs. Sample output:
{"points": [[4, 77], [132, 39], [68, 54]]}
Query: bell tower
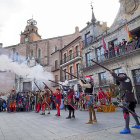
{"points": [[30, 33]]}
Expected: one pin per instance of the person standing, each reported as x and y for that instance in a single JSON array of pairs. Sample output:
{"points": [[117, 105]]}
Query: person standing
{"points": [[57, 94], [108, 94], [65, 102], [101, 96], [88, 90], [77, 98], [70, 101], [81, 100], [13, 98], [4, 105], [46, 101], [128, 100]]}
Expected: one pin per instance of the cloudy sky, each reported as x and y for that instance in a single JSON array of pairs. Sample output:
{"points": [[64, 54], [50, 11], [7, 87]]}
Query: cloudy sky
{"points": [[54, 17]]}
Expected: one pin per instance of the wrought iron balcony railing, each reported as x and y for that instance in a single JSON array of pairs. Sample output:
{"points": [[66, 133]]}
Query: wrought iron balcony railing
{"points": [[54, 68], [71, 57]]}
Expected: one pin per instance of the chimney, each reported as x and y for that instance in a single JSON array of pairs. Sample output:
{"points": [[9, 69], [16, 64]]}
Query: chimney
{"points": [[76, 29]]}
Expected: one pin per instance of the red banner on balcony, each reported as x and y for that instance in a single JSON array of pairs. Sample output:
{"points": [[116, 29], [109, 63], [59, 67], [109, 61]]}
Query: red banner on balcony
{"points": [[104, 45]]}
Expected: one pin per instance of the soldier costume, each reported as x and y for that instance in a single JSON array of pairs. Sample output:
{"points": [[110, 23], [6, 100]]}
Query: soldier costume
{"points": [[13, 101], [69, 97], [88, 90], [46, 101], [57, 100], [127, 97]]}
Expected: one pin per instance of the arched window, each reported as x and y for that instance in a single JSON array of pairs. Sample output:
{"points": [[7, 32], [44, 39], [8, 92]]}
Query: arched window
{"points": [[70, 54], [31, 53], [56, 64], [77, 50], [39, 53], [65, 58], [55, 48], [16, 56]]}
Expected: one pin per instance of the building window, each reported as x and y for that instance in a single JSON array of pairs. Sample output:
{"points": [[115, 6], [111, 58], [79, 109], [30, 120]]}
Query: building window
{"points": [[117, 71], [39, 53], [113, 43], [65, 58], [16, 57], [87, 38], [56, 64], [77, 69], [100, 54], [31, 53], [102, 79], [70, 54], [55, 48], [77, 50], [136, 75], [65, 76], [88, 58]]}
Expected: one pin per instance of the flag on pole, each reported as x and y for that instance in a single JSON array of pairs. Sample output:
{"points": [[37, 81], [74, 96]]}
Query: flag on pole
{"points": [[128, 33], [104, 45]]}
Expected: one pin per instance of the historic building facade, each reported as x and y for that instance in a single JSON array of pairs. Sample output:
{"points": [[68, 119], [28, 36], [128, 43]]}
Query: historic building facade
{"points": [[123, 59], [35, 50], [71, 60]]}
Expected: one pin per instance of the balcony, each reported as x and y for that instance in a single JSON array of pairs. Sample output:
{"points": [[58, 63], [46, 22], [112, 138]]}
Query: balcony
{"points": [[71, 58], [55, 68], [87, 42], [69, 77], [131, 48]]}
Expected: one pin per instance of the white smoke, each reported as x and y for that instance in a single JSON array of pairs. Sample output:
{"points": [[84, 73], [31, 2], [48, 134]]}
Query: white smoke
{"points": [[24, 70]]}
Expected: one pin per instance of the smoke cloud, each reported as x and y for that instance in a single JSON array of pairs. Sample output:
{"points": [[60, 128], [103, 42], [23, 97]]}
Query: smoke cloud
{"points": [[24, 70]]}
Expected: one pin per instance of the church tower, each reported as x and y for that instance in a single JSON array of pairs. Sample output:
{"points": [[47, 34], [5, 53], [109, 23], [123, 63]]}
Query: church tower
{"points": [[30, 33]]}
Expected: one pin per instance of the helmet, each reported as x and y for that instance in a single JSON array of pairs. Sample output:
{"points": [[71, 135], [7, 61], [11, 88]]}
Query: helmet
{"points": [[88, 78], [124, 74]]}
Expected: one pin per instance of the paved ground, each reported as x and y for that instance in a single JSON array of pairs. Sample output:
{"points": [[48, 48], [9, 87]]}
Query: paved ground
{"points": [[32, 126]]}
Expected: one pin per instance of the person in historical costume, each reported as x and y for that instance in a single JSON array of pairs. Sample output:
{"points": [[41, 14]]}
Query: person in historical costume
{"points": [[95, 97], [81, 100], [39, 102], [28, 102], [9, 107], [13, 100], [101, 96], [65, 102], [84, 101], [88, 91], [46, 101], [127, 98], [19, 104], [57, 95], [108, 94], [70, 100]]}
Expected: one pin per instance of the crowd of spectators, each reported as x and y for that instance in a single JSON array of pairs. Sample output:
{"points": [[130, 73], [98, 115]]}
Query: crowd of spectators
{"points": [[122, 47]]}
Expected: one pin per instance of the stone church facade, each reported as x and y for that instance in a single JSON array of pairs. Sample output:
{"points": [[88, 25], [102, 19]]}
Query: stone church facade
{"points": [[127, 61]]}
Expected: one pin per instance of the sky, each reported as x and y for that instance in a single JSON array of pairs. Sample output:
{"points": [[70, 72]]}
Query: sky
{"points": [[54, 17]]}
